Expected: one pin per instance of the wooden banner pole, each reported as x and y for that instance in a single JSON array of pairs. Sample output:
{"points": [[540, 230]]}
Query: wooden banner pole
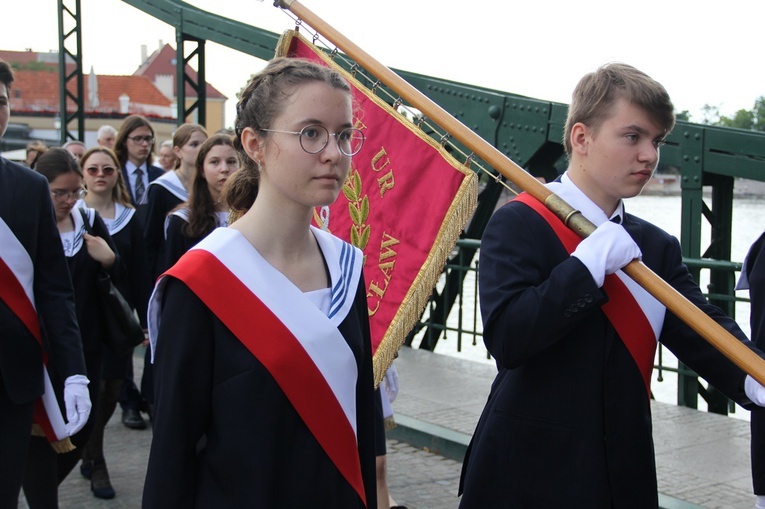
{"points": [[675, 302]]}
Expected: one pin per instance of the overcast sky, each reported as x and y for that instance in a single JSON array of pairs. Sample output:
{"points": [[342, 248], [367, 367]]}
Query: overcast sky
{"points": [[703, 52]]}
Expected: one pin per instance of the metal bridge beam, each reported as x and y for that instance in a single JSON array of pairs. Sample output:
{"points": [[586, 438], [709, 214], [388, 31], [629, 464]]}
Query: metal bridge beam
{"points": [[70, 35], [204, 25], [198, 86]]}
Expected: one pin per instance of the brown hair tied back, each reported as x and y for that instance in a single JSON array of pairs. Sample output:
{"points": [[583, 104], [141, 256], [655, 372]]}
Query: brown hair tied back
{"points": [[183, 135], [261, 101]]}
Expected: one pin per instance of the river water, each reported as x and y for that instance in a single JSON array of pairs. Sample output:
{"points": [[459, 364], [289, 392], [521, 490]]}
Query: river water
{"points": [[665, 212]]}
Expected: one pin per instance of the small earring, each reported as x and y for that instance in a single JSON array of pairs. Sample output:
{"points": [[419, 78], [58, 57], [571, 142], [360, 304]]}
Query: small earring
{"points": [[324, 216]]}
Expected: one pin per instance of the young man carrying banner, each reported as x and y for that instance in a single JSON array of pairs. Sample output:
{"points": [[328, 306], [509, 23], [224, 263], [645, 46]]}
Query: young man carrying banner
{"points": [[568, 420], [34, 280]]}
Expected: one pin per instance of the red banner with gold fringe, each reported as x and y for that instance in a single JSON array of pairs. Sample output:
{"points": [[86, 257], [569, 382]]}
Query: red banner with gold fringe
{"points": [[404, 204]]}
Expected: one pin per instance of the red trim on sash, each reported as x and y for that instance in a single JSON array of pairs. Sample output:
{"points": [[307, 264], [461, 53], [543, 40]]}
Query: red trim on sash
{"points": [[622, 310], [285, 358], [14, 296]]}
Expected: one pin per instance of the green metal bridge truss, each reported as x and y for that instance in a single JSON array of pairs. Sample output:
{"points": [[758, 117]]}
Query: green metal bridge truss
{"points": [[527, 130]]}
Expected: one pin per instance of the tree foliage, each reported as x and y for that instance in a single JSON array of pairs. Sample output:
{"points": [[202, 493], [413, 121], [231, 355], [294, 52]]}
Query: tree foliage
{"points": [[34, 66], [751, 120]]}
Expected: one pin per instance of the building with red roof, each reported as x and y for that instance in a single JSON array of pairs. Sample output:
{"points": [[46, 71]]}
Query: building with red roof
{"points": [[108, 99], [160, 68]]}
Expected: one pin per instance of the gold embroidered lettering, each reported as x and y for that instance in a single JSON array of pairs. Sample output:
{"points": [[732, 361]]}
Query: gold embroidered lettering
{"points": [[379, 162], [386, 182], [387, 261], [376, 160]]}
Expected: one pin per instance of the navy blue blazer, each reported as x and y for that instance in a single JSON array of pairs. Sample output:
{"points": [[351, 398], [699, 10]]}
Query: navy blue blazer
{"points": [[26, 207], [755, 272], [568, 420]]}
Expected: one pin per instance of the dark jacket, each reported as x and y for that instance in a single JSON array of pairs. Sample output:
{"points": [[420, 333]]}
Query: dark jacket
{"points": [[755, 272], [26, 207], [161, 203], [568, 419]]}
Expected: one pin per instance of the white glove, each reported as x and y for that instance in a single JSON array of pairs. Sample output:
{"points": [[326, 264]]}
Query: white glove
{"points": [[390, 383], [77, 401], [754, 391], [606, 250]]}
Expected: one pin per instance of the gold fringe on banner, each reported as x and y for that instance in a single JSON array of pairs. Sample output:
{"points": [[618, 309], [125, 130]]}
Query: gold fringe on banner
{"points": [[60, 446], [419, 292], [460, 211]]}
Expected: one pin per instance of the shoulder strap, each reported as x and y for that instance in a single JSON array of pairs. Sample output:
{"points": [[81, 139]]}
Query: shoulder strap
{"points": [[87, 221]]}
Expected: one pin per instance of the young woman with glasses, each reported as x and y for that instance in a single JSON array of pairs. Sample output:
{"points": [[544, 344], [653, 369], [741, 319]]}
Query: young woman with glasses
{"points": [[87, 255], [107, 196], [262, 355]]}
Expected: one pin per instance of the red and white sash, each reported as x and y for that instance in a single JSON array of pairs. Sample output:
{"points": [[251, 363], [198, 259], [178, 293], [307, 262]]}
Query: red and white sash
{"points": [[16, 290], [635, 314], [297, 343]]}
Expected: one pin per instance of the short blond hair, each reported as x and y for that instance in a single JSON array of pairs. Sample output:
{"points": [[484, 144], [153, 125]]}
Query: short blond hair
{"points": [[597, 91]]}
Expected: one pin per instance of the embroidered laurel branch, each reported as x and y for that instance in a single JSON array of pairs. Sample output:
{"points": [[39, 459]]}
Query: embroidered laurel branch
{"points": [[358, 208]]}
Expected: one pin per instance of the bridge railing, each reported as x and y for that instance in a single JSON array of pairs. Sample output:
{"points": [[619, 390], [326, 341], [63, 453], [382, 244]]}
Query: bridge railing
{"points": [[464, 325]]}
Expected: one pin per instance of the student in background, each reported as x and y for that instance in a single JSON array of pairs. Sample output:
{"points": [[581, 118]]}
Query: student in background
{"points": [[108, 196], [87, 256], [171, 189], [206, 210], [164, 194], [134, 147], [31, 255]]}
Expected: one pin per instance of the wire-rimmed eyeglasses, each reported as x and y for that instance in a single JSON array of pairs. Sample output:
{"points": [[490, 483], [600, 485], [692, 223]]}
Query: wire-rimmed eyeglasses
{"points": [[61, 195], [313, 139]]}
